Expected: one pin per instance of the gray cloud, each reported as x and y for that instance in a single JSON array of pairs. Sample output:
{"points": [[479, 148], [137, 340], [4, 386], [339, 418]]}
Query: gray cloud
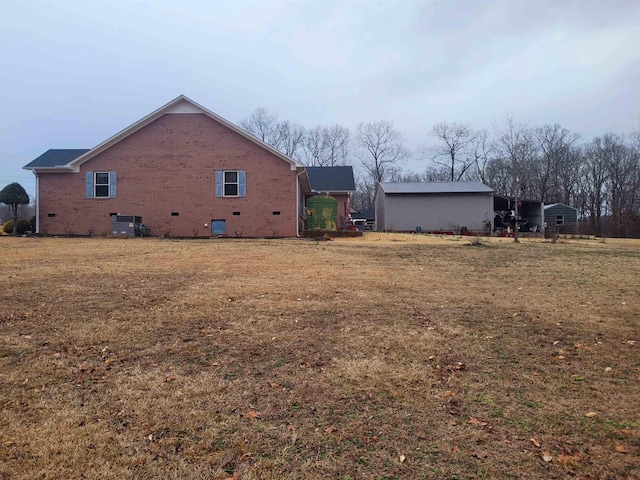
{"points": [[74, 73]]}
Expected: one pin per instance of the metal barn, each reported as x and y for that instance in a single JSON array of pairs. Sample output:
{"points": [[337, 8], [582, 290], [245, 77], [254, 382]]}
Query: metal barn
{"points": [[434, 207]]}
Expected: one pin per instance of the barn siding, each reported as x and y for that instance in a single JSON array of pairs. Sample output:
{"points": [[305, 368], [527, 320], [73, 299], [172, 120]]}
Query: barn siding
{"points": [[570, 217], [446, 212]]}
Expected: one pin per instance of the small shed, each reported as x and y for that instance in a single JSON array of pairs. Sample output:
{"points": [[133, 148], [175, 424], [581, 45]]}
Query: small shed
{"points": [[563, 218]]}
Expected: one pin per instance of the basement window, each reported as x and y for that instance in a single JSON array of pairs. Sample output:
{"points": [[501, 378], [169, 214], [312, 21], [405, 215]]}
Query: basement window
{"points": [[236, 213], [174, 214], [276, 213], [51, 215]]}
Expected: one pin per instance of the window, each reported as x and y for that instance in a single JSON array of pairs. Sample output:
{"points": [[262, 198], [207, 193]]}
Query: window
{"points": [[559, 219], [231, 183], [101, 185]]}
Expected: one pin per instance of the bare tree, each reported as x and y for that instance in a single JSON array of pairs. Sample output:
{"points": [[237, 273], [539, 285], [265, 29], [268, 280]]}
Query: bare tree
{"points": [[380, 149], [291, 138], [568, 177], [621, 182], [593, 179], [555, 144], [453, 149], [326, 146], [365, 195], [516, 145], [285, 136], [263, 125], [482, 150]]}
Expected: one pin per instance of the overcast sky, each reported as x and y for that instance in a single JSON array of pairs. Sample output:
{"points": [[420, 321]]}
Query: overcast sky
{"points": [[73, 73]]}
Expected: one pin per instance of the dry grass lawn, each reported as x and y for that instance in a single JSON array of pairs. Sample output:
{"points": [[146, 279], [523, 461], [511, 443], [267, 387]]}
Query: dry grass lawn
{"points": [[383, 357]]}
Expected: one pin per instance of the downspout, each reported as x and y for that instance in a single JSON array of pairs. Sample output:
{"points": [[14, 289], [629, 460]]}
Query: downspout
{"points": [[298, 201], [37, 201]]}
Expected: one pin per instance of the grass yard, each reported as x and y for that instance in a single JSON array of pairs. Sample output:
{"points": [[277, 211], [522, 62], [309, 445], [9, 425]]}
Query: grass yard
{"points": [[383, 357]]}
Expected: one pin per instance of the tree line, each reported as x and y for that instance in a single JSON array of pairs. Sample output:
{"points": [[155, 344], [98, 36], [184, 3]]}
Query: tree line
{"points": [[601, 177]]}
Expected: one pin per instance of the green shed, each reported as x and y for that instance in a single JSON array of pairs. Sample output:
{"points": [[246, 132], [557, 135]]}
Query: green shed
{"points": [[322, 212]]}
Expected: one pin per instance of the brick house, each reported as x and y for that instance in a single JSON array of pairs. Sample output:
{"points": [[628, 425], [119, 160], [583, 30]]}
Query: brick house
{"points": [[183, 170]]}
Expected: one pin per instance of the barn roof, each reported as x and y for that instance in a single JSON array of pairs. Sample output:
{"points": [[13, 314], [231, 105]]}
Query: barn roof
{"points": [[435, 187], [546, 207]]}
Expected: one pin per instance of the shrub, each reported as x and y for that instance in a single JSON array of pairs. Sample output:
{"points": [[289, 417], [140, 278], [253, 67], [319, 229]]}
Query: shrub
{"points": [[23, 226]]}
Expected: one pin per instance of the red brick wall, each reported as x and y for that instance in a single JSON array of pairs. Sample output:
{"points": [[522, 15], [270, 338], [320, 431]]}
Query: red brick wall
{"points": [[169, 166], [343, 207]]}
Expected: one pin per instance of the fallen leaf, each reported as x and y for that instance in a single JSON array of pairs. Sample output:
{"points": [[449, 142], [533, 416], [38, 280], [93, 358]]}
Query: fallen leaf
{"points": [[329, 429], [591, 414], [479, 454], [402, 458], [8, 443], [456, 449], [475, 421], [546, 456], [169, 378], [608, 369], [556, 342], [252, 414], [536, 442], [621, 449], [573, 459]]}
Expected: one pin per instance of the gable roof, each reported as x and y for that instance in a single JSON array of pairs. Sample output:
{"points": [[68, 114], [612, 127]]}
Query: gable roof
{"points": [[560, 205], [55, 157], [435, 187], [180, 104], [331, 179]]}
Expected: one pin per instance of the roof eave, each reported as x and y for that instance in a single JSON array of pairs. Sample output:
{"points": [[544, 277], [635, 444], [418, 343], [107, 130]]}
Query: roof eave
{"points": [[330, 192], [50, 169]]}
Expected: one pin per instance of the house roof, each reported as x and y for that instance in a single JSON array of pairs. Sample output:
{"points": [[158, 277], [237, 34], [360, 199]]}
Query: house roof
{"points": [[560, 205], [331, 179], [366, 214], [179, 105], [435, 187], [55, 158]]}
